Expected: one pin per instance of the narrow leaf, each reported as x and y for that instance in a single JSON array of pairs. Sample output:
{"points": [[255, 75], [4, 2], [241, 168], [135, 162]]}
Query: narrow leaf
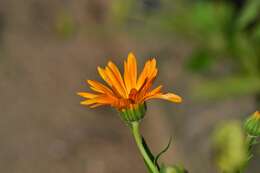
{"points": [[148, 151], [163, 151]]}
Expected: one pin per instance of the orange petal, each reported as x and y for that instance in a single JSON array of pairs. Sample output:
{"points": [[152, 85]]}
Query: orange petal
{"points": [[169, 96], [96, 105], [149, 71], [115, 83], [104, 76], [132, 68], [152, 67], [127, 79], [98, 100], [155, 91], [117, 74], [98, 87], [145, 88], [142, 97], [148, 82], [143, 75], [87, 95], [130, 72]]}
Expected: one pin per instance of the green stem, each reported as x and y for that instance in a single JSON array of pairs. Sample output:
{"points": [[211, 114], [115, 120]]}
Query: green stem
{"points": [[250, 142], [138, 140]]}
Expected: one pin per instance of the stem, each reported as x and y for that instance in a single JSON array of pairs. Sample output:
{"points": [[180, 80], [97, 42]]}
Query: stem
{"points": [[138, 140], [250, 141]]}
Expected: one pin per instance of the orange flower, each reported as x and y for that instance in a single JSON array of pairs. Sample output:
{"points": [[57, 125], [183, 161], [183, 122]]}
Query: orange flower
{"points": [[127, 91]]}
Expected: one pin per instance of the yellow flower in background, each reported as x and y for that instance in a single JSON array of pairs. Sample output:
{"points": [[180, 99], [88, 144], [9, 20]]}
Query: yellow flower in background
{"points": [[128, 91]]}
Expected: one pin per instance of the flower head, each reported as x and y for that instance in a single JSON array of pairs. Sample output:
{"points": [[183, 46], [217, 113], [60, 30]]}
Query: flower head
{"points": [[127, 91], [252, 124]]}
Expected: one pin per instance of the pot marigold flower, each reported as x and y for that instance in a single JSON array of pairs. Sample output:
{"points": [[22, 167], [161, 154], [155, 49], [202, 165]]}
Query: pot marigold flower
{"points": [[129, 92]]}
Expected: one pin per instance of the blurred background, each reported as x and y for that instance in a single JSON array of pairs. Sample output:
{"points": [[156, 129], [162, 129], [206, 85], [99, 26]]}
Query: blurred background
{"points": [[207, 51]]}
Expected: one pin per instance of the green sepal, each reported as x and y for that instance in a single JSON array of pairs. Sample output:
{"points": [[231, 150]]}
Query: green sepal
{"points": [[133, 114]]}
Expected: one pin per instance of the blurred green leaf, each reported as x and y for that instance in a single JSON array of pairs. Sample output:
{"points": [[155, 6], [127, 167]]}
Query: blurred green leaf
{"points": [[225, 88], [200, 61], [246, 52], [211, 17], [250, 12], [173, 169], [256, 33], [230, 147]]}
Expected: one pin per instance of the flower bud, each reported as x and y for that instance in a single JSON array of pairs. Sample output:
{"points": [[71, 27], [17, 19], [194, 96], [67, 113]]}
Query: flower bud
{"points": [[134, 113], [252, 124], [173, 169]]}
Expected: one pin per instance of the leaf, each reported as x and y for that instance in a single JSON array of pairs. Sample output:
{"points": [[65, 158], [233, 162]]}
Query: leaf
{"points": [[249, 13], [247, 55], [148, 151], [163, 151], [226, 88], [257, 32], [200, 61]]}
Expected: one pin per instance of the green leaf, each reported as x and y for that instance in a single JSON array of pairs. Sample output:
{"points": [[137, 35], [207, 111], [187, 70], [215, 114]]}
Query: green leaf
{"points": [[148, 151], [163, 151], [200, 61], [246, 54], [249, 13], [257, 32], [226, 88]]}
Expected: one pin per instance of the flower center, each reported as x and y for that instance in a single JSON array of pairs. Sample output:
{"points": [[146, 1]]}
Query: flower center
{"points": [[133, 95]]}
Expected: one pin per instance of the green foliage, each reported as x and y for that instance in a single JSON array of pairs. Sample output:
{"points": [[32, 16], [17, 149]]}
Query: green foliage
{"points": [[230, 147], [222, 33], [200, 61], [250, 12], [227, 87]]}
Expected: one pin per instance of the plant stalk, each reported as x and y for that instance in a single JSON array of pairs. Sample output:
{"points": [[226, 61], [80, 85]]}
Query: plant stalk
{"points": [[138, 139]]}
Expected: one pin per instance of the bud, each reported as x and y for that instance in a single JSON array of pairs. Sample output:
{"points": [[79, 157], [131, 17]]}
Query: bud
{"points": [[252, 124], [173, 169], [134, 113]]}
